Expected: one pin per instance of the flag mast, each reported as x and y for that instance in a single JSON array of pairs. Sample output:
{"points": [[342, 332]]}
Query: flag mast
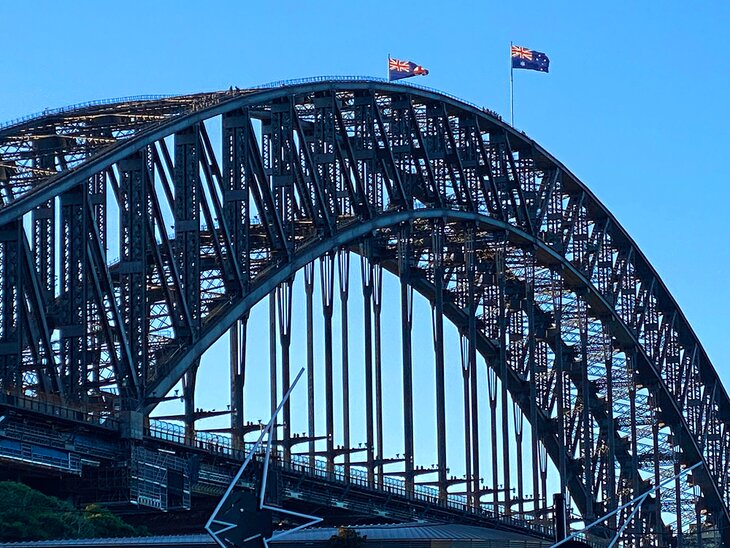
{"points": [[527, 59], [511, 89]]}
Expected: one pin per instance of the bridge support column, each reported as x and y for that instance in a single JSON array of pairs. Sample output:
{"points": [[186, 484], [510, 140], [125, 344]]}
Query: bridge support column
{"points": [[43, 218], [467, 396], [96, 198], [366, 276], [309, 291], [132, 425], [503, 367], [377, 309], [190, 412], [471, 341], [238, 379], [237, 212], [12, 312], [273, 382], [326, 265], [678, 495], [519, 432], [44, 261], [543, 475], [492, 393], [438, 342], [284, 298], [74, 286], [532, 369], [587, 438], [613, 501], [635, 527], [344, 272], [557, 297], [406, 296], [187, 244], [657, 477]]}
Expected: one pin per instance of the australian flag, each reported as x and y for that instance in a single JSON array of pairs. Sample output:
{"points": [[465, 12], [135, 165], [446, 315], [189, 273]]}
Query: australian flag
{"points": [[523, 58], [404, 69]]}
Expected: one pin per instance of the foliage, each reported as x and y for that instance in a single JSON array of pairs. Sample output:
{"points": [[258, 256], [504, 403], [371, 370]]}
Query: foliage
{"points": [[347, 538], [26, 514]]}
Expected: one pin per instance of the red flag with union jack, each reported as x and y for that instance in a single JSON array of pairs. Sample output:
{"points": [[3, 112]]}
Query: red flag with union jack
{"points": [[398, 69]]}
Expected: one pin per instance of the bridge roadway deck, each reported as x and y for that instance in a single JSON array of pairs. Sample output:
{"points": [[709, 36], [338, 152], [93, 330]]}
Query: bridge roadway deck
{"points": [[304, 483], [87, 451]]}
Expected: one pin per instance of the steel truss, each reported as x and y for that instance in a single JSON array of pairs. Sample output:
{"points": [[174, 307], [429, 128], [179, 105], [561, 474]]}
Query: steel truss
{"points": [[105, 306]]}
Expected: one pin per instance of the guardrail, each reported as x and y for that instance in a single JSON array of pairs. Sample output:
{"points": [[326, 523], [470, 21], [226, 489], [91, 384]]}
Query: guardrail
{"points": [[269, 85], [317, 79], [220, 444], [60, 411], [70, 108]]}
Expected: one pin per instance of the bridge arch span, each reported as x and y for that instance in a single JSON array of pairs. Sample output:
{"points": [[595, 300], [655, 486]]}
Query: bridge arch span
{"points": [[503, 240]]}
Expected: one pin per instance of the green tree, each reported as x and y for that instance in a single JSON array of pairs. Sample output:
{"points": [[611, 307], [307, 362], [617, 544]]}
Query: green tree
{"points": [[101, 522], [27, 514], [347, 538]]}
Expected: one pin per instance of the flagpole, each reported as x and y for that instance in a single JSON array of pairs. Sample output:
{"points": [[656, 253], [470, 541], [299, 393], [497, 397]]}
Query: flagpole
{"points": [[511, 89]]}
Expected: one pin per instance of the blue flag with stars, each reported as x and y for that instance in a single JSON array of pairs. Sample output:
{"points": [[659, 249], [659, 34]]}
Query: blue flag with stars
{"points": [[523, 58]]}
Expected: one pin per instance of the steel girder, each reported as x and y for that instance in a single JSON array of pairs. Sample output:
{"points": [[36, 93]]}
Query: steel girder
{"points": [[503, 239]]}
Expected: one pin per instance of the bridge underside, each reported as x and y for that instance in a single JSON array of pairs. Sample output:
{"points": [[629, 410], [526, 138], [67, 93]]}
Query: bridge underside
{"points": [[135, 235]]}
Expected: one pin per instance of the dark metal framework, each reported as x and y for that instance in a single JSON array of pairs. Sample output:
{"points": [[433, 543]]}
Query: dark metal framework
{"points": [[579, 335]]}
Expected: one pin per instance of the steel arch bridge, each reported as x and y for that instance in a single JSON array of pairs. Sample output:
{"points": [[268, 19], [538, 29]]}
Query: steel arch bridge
{"points": [[564, 326]]}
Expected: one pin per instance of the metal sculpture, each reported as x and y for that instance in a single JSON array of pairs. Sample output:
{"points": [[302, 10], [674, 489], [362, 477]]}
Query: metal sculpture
{"points": [[242, 517], [580, 336]]}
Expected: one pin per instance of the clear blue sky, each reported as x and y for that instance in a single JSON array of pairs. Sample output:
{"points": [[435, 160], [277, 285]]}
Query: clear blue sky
{"points": [[636, 102]]}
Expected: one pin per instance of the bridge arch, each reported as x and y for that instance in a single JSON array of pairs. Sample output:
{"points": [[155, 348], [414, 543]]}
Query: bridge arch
{"points": [[330, 165]]}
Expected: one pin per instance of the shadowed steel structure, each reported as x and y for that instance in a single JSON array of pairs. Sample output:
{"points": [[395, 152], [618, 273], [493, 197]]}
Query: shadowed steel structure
{"points": [[581, 339]]}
